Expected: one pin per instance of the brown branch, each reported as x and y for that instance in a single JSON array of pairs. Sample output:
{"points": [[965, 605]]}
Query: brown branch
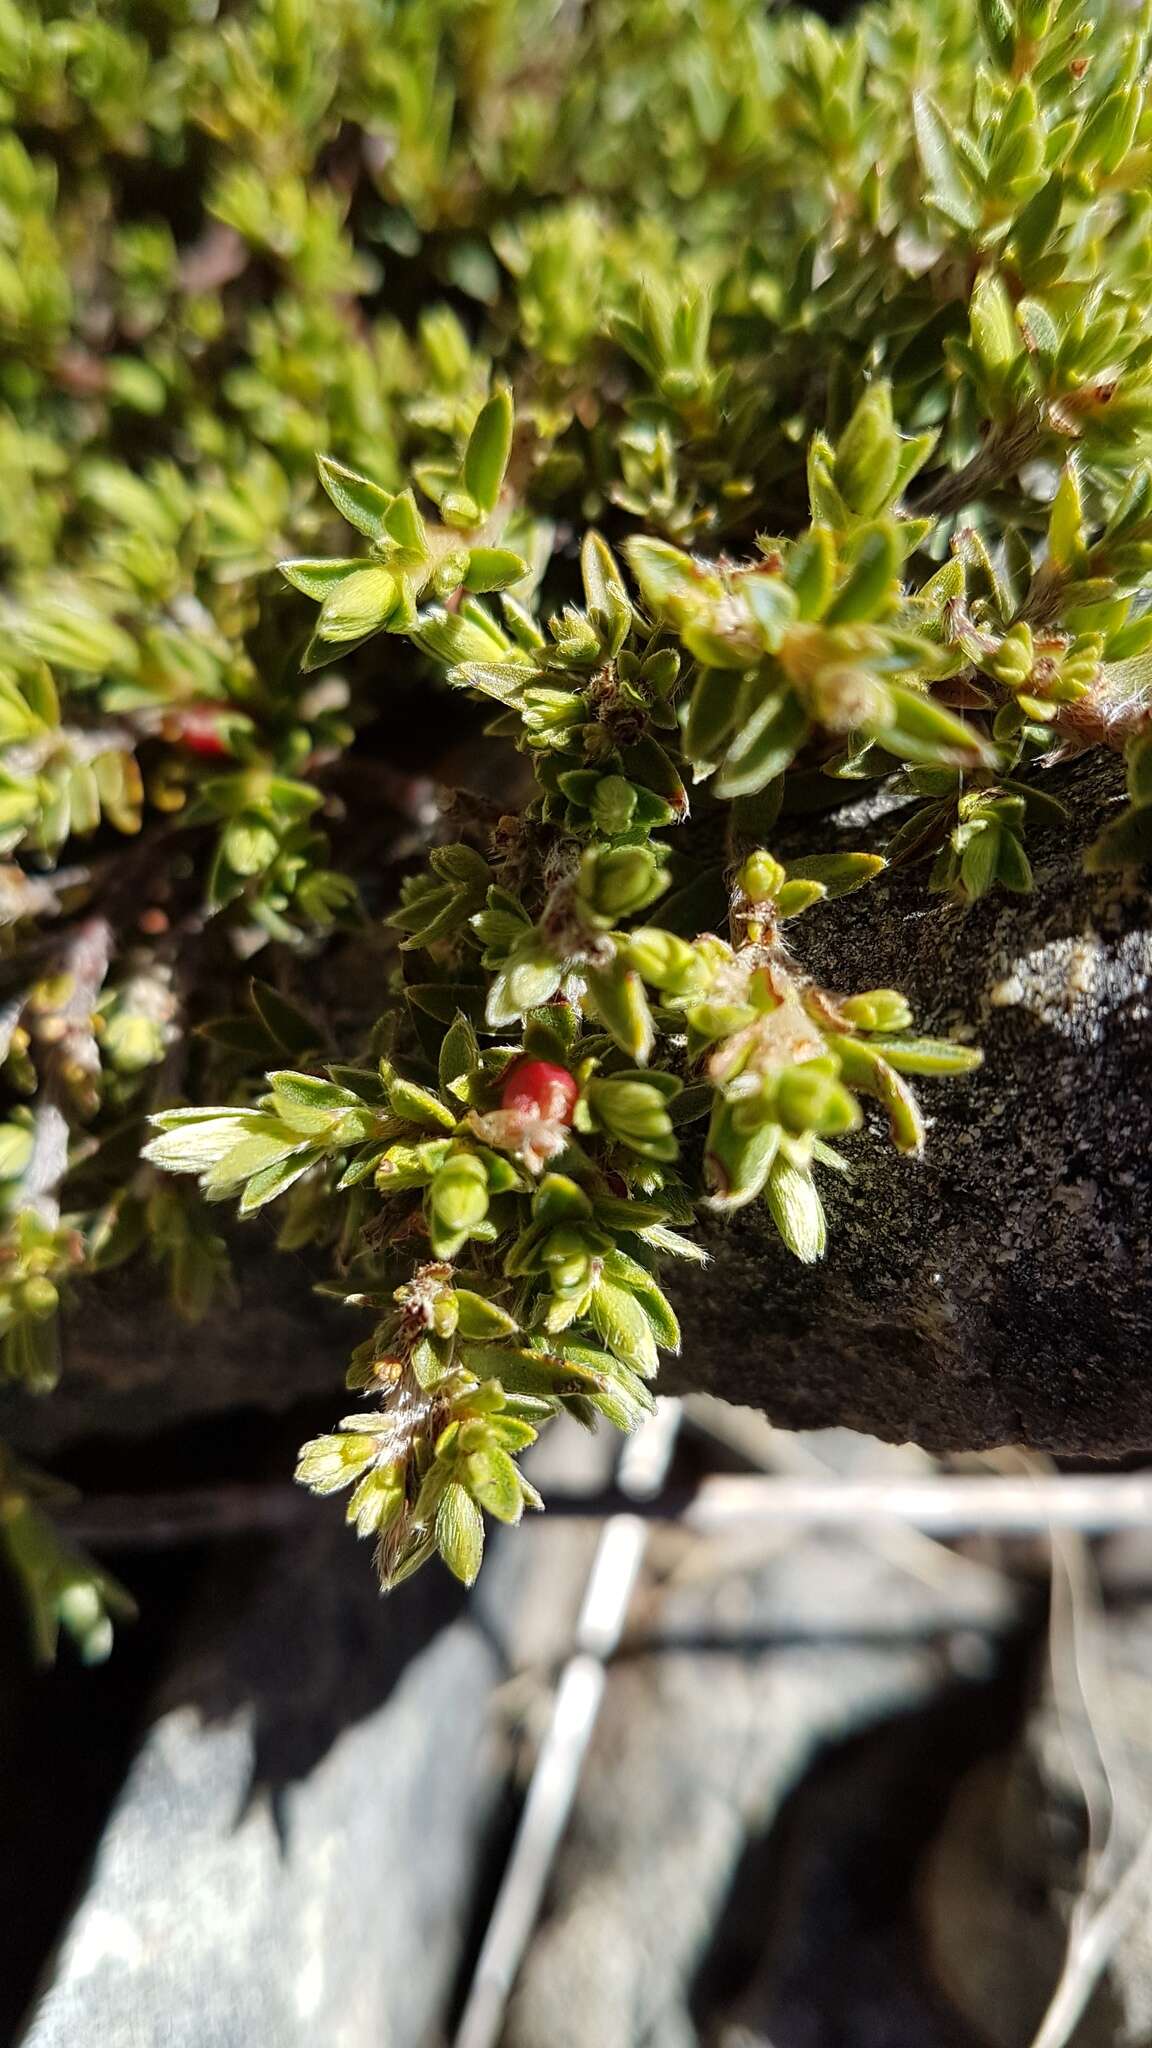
{"points": [[1002, 454]]}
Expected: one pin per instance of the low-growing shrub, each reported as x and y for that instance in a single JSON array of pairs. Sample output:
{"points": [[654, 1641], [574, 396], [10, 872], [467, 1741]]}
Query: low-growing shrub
{"points": [[748, 414]]}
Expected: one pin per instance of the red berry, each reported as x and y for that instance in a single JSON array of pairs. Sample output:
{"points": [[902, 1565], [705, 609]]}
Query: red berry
{"points": [[541, 1088], [198, 729]]}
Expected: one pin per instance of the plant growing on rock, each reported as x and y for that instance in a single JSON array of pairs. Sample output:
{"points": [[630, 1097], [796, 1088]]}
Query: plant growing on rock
{"points": [[809, 461]]}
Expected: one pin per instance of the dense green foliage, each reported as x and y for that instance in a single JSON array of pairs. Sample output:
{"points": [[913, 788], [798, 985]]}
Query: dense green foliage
{"points": [[744, 411]]}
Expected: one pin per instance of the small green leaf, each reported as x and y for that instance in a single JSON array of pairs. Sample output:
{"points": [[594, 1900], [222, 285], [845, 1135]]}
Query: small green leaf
{"points": [[521, 1371], [489, 446], [664, 573], [1039, 329], [812, 570], [1066, 524], [493, 569], [558, 1199], [839, 873], [926, 1055], [877, 1009], [796, 1209], [949, 177], [502, 680], [457, 1202], [916, 728], [404, 524], [411, 1166], [865, 1070], [618, 1319], [867, 453], [796, 897], [419, 1105], [482, 1321], [459, 1053], [376, 1502], [312, 1092], [1034, 227], [460, 1532], [319, 579], [1125, 843], [329, 1462], [249, 845], [642, 1286], [357, 605], [495, 1482], [874, 563], [459, 637], [605, 591], [980, 859], [1138, 759], [999, 30], [617, 995], [274, 1180], [531, 976], [764, 746], [1013, 868], [358, 500], [992, 320], [711, 716]]}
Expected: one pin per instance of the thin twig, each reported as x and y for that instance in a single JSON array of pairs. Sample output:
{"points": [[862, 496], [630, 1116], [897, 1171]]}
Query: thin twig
{"points": [[1002, 454]]}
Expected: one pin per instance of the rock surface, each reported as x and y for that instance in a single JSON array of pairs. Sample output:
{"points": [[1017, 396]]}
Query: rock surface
{"points": [[676, 1881], [133, 1368], [999, 1290], [246, 1888]]}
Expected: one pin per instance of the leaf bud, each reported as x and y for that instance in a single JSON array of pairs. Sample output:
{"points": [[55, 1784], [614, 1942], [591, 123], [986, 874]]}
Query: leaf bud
{"points": [[736, 1161], [613, 805], [664, 960], [761, 877], [566, 1257], [877, 1009], [459, 1193], [660, 670], [809, 1100], [37, 1297], [618, 881], [636, 1112], [1014, 659]]}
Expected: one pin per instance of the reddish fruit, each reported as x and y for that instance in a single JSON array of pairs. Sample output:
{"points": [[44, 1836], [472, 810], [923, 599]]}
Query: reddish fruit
{"points": [[540, 1088], [198, 729]]}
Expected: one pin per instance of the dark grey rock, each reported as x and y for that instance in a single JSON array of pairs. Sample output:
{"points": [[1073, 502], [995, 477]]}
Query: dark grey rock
{"points": [[999, 1290], [132, 1367]]}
